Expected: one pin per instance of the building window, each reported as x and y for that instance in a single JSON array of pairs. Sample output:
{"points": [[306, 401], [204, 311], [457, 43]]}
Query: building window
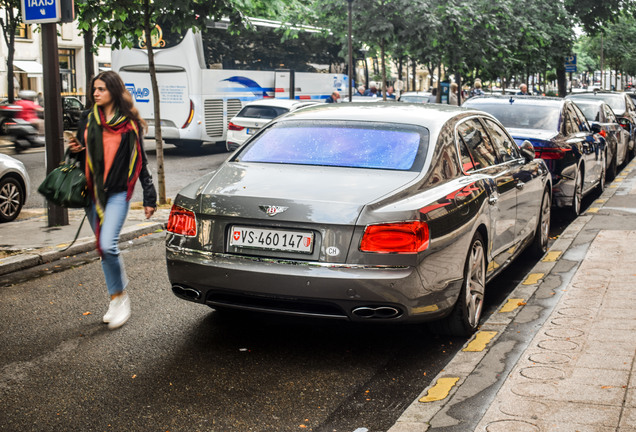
{"points": [[68, 78], [23, 31]]}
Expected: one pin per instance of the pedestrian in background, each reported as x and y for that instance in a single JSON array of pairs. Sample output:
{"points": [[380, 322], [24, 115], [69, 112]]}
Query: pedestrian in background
{"points": [[109, 143], [334, 97], [360, 91], [452, 97], [523, 90], [477, 90]]}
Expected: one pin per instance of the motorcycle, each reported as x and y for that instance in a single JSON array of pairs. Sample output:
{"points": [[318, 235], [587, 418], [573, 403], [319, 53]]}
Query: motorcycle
{"points": [[20, 132]]}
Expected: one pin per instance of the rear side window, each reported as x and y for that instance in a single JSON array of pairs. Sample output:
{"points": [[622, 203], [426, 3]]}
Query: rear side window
{"points": [[478, 143], [261, 112], [357, 145]]}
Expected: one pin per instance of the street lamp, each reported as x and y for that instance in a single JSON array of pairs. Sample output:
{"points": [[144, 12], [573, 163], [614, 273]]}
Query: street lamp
{"points": [[350, 56]]}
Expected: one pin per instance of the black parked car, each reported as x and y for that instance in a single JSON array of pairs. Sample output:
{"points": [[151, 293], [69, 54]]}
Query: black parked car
{"points": [[72, 108], [560, 134], [622, 105], [603, 120]]}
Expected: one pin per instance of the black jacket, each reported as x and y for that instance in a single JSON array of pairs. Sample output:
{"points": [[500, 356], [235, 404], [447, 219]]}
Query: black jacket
{"points": [[117, 178]]}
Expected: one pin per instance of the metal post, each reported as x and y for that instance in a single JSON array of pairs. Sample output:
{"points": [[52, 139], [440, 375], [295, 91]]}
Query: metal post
{"points": [[53, 128], [350, 56]]}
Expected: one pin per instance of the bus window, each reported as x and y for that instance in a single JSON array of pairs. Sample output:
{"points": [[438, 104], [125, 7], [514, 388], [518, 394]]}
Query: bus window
{"points": [[260, 48]]}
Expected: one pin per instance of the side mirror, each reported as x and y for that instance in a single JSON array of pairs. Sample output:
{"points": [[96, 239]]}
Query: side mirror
{"points": [[527, 151]]}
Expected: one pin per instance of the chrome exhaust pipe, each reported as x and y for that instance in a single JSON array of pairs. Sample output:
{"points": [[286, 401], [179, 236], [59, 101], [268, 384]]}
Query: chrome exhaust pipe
{"points": [[378, 312], [186, 293]]}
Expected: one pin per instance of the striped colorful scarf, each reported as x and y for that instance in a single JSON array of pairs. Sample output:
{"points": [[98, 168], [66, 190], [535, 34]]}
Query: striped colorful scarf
{"points": [[129, 130]]}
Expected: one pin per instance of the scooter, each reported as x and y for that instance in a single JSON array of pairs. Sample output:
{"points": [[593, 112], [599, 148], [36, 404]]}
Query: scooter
{"points": [[22, 133]]}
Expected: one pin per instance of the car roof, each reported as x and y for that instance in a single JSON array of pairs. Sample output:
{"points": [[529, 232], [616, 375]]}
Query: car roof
{"points": [[518, 99], [592, 94], [281, 103], [430, 116]]}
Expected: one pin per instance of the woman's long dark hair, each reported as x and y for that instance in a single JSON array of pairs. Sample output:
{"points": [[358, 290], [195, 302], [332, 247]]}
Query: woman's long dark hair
{"points": [[121, 97]]}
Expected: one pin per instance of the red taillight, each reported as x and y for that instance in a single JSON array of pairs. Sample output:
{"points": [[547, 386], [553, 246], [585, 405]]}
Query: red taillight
{"points": [[234, 127], [182, 221], [552, 153], [402, 237], [190, 116]]}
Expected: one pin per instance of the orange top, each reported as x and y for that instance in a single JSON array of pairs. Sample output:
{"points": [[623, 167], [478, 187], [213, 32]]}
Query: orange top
{"points": [[111, 142]]}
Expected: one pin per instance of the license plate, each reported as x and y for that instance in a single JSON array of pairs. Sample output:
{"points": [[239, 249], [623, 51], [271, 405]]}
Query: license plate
{"points": [[251, 131], [272, 239]]}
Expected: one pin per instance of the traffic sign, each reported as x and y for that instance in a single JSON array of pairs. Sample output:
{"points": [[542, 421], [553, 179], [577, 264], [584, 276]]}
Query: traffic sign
{"points": [[41, 11], [570, 63]]}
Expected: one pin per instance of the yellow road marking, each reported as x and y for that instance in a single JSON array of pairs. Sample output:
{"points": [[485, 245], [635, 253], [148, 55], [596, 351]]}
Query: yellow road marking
{"points": [[440, 390], [480, 341], [532, 279], [552, 256], [511, 305], [592, 210]]}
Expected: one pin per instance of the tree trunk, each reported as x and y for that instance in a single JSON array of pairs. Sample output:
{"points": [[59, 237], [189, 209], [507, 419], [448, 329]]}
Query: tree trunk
{"points": [[8, 29], [414, 75], [383, 70], [561, 81], [89, 60], [161, 179]]}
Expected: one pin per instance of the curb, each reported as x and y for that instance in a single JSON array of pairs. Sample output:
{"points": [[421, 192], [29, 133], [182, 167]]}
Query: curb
{"points": [[46, 255]]}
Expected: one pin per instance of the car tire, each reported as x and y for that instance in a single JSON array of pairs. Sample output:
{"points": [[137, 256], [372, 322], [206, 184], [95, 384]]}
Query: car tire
{"points": [[600, 187], [613, 169], [539, 245], [3, 127], [577, 196], [463, 321], [11, 199]]}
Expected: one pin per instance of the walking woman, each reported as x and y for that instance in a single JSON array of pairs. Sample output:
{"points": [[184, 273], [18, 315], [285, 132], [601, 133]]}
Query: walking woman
{"points": [[110, 145]]}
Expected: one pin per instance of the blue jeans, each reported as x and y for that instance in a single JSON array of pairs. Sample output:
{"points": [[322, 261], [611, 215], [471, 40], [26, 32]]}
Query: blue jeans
{"points": [[115, 213]]}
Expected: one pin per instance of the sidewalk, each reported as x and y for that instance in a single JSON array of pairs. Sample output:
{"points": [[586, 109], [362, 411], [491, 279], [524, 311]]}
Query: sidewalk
{"points": [[560, 352], [29, 241]]}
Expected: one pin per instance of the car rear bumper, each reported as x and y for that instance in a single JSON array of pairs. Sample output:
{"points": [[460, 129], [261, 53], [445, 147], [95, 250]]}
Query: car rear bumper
{"points": [[338, 291]]}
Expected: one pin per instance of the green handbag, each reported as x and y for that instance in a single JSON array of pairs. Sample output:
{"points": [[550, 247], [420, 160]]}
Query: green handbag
{"points": [[65, 186]]}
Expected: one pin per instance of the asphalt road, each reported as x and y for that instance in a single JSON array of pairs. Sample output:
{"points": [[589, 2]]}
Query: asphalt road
{"points": [[178, 366]]}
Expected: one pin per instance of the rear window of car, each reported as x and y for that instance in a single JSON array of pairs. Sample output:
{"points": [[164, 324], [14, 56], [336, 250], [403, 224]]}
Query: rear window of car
{"points": [[590, 111], [341, 144], [617, 102], [523, 116], [262, 112]]}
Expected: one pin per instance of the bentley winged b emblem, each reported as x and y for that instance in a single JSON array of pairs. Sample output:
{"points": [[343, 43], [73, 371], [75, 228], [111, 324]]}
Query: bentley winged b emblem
{"points": [[272, 210]]}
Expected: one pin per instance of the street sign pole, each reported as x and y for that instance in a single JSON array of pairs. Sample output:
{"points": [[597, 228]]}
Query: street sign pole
{"points": [[53, 128]]}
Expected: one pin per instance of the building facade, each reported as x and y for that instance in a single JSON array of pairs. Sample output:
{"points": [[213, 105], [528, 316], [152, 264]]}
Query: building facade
{"points": [[28, 60]]}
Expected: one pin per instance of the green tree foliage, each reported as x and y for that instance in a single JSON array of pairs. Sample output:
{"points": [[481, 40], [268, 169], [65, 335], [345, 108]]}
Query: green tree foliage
{"points": [[594, 15]]}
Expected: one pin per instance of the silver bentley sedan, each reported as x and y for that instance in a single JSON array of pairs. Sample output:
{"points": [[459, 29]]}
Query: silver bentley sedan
{"points": [[386, 212]]}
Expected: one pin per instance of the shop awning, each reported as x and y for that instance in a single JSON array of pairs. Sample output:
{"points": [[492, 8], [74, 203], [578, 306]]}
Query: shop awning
{"points": [[30, 67]]}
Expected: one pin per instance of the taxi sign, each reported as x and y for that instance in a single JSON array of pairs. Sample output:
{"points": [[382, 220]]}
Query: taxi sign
{"points": [[41, 11]]}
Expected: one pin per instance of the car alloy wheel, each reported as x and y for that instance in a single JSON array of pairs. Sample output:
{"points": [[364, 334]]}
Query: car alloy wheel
{"points": [[11, 198], [464, 319], [475, 283]]}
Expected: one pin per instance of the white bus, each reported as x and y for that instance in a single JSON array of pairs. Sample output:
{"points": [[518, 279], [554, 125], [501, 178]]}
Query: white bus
{"points": [[206, 77]]}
